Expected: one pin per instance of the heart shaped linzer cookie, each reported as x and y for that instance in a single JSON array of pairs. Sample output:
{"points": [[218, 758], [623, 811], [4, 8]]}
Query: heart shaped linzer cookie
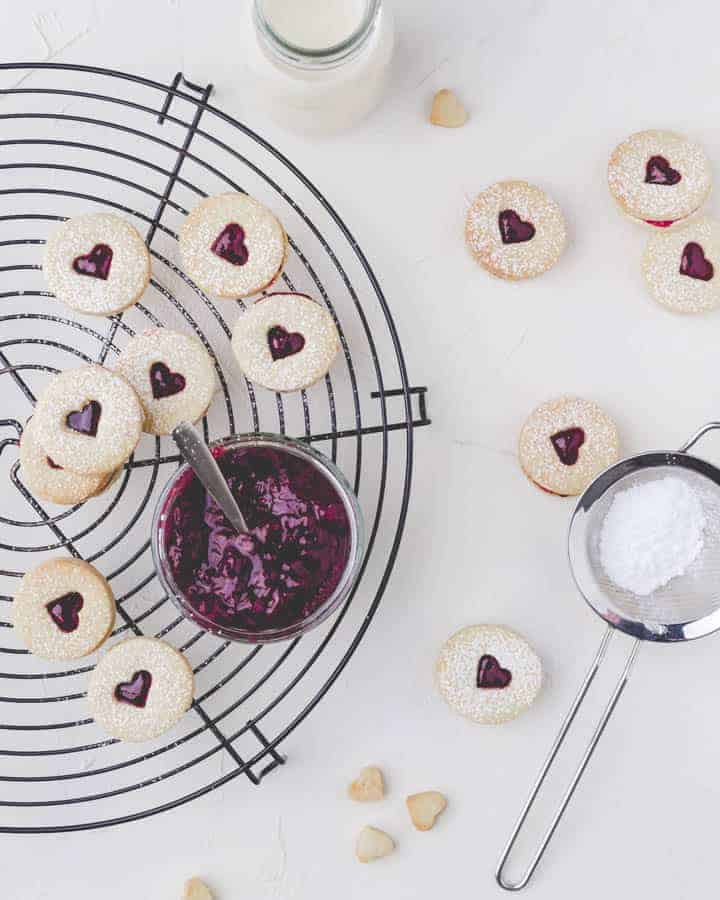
{"points": [[695, 264], [659, 171], [164, 382], [85, 420], [230, 245], [64, 611], [135, 692], [284, 343], [490, 673], [513, 230], [96, 263]]}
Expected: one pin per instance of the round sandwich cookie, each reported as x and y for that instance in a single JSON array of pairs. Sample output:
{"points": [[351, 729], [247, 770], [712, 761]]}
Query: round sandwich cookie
{"points": [[172, 374], [488, 673], [46, 480], [514, 230], [232, 246], [565, 443], [88, 420], [659, 177], [64, 609], [682, 266], [140, 688], [285, 342], [97, 264]]}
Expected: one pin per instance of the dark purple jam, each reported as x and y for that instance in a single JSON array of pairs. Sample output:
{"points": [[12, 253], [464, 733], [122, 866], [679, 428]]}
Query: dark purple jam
{"points": [[230, 245], [135, 692], [64, 611], [490, 673], [96, 263], [567, 445], [659, 171], [289, 563], [284, 343], [695, 264], [85, 420], [164, 382]]}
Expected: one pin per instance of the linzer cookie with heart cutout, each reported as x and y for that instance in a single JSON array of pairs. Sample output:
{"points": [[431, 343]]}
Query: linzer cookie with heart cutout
{"points": [[514, 230], [172, 374], [46, 480], [140, 688], [682, 266], [285, 342], [64, 609], [488, 673], [659, 177], [88, 420], [97, 264], [565, 443], [232, 246]]}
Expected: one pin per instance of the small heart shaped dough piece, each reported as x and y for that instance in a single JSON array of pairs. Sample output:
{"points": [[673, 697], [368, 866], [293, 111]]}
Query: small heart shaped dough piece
{"points": [[424, 808], [447, 110], [373, 844], [368, 786]]}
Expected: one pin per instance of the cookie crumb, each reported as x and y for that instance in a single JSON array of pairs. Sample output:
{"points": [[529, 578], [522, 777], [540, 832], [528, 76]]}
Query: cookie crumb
{"points": [[373, 844], [424, 808], [447, 110], [368, 787], [195, 889]]}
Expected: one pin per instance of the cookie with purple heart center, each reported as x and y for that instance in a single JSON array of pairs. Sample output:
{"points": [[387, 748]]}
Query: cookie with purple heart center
{"points": [[679, 266], [139, 689], [515, 230], [64, 609], [565, 443], [285, 342], [488, 673], [97, 264], [659, 177], [232, 246], [173, 375]]}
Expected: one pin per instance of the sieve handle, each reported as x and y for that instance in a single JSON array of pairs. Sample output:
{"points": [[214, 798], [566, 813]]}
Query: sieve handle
{"points": [[565, 727], [701, 432]]}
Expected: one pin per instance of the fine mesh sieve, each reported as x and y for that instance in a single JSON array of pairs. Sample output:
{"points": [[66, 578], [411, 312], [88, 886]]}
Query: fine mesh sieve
{"points": [[685, 608]]}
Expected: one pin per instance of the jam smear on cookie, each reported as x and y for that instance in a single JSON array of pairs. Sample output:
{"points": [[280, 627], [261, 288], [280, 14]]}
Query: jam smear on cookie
{"points": [[230, 245], [135, 692], [85, 420], [695, 264], [513, 229], [164, 382], [659, 171], [64, 611], [284, 343], [96, 263], [567, 445], [52, 463], [490, 673]]}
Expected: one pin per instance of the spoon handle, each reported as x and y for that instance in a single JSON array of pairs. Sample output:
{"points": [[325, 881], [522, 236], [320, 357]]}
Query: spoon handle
{"points": [[198, 456]]}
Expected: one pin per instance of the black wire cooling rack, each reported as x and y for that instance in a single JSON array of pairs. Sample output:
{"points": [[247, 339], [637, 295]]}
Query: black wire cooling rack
{"points": [[77, 139]]}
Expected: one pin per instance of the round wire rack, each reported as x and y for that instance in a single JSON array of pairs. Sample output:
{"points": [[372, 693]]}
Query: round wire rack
{"points": [[77, 139]]}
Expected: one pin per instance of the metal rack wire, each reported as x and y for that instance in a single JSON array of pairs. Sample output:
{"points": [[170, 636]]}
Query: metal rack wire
{"points": [[77, 138]]}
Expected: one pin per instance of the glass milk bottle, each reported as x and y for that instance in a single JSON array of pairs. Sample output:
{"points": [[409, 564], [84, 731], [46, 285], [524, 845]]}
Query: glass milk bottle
{"points": [[320, 65]]}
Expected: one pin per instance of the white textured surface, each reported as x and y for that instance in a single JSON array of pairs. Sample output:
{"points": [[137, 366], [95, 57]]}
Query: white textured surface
{"points": [[551, 88]]}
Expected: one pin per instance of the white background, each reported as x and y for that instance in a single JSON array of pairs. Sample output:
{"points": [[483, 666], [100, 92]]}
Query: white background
{"points": [[551, 87]]}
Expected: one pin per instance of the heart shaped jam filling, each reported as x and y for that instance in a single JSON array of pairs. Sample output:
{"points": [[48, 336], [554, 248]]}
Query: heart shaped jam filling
{"points": [[64, 611], [659, 171], [85, 420], [283, 343], [567, 445], [490, 673], [230, 244], [513, 230], [135, 692], [694, 263], [164, 382], [96, 263]]}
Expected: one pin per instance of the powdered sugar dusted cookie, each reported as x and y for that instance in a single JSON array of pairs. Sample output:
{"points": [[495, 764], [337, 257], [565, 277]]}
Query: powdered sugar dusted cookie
{"points": [[173, 375], [514, 230], [64, 609], [97, 264], [488, 673], [140, 688], [659, 177], [565, 443], [232, 246], [682, 266], [88, 420], [285, 341], [46, 480]]}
